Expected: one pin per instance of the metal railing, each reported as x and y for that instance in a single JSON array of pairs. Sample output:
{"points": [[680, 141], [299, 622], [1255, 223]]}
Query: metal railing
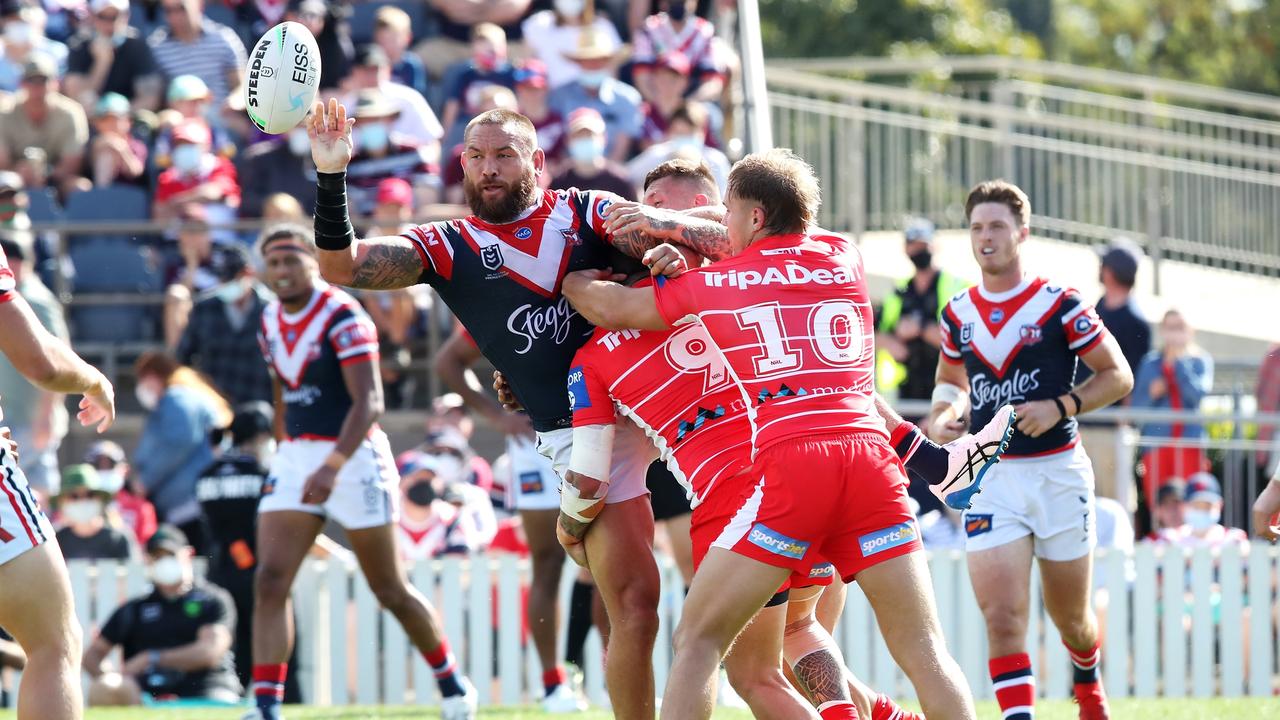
{"points": [[1092, 169]]}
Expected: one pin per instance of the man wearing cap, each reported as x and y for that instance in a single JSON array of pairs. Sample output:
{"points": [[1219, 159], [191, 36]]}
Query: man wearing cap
{"points": [[115, 155], [82, 511], [41, 117], [192, 44], [1202, 515], [381, 153], [908, 331], [197, 176], [175, 640], [668, 80], [413, 118], [560, 28], [109, 56], [189, 99], [129, 498], [596, 87], [588, 168], [533, 96], [1118, 272], [221, 336], [37, 416], [679, 29]]}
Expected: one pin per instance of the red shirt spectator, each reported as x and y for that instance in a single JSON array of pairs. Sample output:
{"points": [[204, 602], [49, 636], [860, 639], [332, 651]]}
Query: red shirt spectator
{"points": [[197, 176]]}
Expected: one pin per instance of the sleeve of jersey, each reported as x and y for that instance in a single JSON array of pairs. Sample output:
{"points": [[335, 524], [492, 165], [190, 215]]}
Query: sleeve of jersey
{"points": [[354, 339], [950, 349], [1080, 322], [676, 298], [588, 395], [434, 250], [591, 206]]}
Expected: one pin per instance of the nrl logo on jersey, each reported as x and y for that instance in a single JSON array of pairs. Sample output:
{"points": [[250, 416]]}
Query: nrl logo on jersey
{"points": [[491, 257], [966, 333]]}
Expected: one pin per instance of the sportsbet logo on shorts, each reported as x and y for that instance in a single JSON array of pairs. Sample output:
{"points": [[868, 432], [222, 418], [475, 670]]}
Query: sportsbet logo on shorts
{"points": [[888, 538], [777, 543]]}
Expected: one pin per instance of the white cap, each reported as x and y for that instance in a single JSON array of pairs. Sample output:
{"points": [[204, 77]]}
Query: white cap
{"points": [[97, 6]]}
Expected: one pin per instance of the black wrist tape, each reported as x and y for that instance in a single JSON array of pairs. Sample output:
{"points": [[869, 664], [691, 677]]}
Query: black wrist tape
{"points": [[332, 223], [1061, 408], [1079, 404]]}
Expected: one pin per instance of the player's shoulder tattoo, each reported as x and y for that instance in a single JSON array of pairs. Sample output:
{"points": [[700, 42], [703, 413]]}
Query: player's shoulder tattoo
{"points": [[388, 264]]}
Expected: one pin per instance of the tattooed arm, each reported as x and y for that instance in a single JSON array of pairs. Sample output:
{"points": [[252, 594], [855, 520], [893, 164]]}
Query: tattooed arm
{"points": [[381, 263], [634, 229]]}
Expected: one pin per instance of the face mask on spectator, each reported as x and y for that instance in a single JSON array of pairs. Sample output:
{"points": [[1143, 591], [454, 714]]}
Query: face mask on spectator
{"points": [[1200, 519], [166, 571], [112, 480], [486, 61], [921, 259], [421, 493], [230, 292], [18, 33], [373, 137], [592, 78], [186, 158], [147, 396], [569, 8], [299, 143], [687, 143], [587, 149], [81, 511]]}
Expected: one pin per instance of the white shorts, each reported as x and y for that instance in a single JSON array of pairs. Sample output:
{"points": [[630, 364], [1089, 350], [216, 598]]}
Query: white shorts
{"points": [[632, 455], [23, 525], [366, 493], [533, 484], [1049, 498]]}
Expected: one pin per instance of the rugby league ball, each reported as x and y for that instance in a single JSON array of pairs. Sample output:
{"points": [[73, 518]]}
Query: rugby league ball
{"points": [[282, 77]]}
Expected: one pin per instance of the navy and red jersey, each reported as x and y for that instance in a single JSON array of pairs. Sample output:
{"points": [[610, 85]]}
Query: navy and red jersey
{"points": [[503, 283], [1018, 346], [306, 352], [8, 283], [792, 316], [675, 386]]}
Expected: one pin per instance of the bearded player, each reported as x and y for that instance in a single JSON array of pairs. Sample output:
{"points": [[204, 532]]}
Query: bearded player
{"points": [[500, 272], [790, 319], [1017, 339], [333, 463], [35, 592]]}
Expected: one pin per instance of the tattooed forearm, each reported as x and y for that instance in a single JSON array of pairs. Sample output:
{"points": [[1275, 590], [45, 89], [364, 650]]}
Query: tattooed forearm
{"points": [[822, 676], [386, 264], [634, 244], [708, 238]]}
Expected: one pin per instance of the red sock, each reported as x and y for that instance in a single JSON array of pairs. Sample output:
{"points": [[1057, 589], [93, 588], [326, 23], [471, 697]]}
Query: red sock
{"points": [[838, 710], [1015, 686], [1087, 683], [886, 709], [268, 686], [553, 678]]}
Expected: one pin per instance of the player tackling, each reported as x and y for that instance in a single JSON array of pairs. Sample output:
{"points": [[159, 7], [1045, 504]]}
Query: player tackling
{"points": [[790, 319], [1016, 339]]}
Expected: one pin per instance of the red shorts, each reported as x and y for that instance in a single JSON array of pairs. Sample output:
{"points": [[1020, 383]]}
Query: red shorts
{"points": [[836, 498]]}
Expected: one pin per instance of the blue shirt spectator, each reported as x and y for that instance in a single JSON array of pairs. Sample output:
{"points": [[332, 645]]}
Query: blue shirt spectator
{"points": [[393, 32], [488, 66], [617, 102], [1176, 377]]}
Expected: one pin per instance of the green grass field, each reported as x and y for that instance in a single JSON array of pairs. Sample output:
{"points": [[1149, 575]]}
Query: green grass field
{"points": [[1121, 710]]}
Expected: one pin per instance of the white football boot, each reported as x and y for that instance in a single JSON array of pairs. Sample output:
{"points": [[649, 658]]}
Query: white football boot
{"points": [[970, 456]]}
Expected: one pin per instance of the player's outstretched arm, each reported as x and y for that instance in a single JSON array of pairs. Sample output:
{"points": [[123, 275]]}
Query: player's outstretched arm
{"points": [[635, 229], [52, 365], [607, 304], [382, 263]]}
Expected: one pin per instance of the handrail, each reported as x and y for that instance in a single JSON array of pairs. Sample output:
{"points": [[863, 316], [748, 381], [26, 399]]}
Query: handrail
{"points": [[1012, 66], [759, 134]]}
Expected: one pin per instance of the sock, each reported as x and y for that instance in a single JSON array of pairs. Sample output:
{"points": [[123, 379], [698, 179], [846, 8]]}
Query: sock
{"points": [[1086, 664], [268, 688], [445, 669], [1015, 686], [886, 709], [923, 458], [838, 710], [579, 623], [552, 679]]}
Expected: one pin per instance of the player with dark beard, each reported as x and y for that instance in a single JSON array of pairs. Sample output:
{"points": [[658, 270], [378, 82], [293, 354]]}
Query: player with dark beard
{"points": [[500, 272]]}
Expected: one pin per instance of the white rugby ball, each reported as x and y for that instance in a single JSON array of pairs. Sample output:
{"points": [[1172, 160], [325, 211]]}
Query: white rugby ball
{"points": [[282, 77]]}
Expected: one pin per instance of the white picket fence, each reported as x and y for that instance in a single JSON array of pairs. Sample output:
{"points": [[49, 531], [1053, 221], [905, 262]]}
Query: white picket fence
{"points": [[1217, 637]]}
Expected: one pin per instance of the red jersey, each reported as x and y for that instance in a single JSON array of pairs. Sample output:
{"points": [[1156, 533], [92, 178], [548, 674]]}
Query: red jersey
{"points": [[8, 283], [675, 386], [792, 316]]}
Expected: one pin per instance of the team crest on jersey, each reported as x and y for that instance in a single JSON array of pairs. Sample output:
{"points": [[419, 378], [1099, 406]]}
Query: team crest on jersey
{"points": [[996, 316], [491, 256], [1083, 323], [966, 333], [1030, 334]]}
